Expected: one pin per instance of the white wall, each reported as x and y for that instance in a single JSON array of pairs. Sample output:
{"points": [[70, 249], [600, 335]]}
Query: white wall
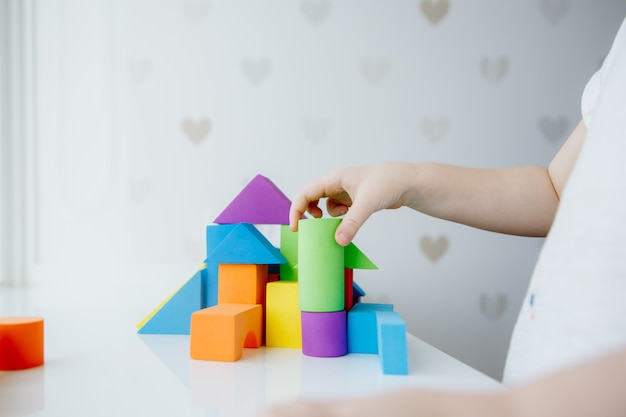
{"points": [[16, 126], [153, 115]]}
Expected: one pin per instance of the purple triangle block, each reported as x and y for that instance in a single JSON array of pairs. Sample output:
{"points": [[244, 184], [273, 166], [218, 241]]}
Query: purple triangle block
{"points": [[260, 202]]}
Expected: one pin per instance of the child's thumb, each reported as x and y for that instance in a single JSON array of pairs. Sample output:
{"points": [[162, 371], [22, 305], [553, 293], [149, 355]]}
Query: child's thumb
{"points": [[350, 225]]}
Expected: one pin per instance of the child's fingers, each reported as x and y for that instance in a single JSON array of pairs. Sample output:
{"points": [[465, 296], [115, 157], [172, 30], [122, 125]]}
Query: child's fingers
{"points": [[336, 208]]}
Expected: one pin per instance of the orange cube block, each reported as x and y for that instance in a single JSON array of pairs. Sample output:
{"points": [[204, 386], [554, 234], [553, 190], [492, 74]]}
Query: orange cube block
{"points": [[21, 343], [220, 332], [241, 284]]}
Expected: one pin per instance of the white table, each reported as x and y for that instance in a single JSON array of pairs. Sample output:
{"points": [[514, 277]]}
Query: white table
{"points": [[97, 365]]}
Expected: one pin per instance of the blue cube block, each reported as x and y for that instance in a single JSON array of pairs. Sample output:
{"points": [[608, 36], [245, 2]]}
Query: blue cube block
{"points": [[362, 331]]}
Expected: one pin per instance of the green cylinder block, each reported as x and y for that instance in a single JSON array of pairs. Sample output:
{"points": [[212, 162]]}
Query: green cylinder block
{"points": [[320, 266]]}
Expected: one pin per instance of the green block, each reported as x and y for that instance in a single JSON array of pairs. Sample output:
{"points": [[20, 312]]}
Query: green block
{"points": [[320, 266], [289, 249], [355, 259]]}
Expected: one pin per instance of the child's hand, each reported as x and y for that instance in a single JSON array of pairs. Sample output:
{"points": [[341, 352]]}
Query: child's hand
{"points": [[300, 408], [406, 403], [356, 192]]}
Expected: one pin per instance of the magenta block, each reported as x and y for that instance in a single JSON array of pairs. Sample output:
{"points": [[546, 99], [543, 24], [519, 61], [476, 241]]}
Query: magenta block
{"points": [[324, 335]]}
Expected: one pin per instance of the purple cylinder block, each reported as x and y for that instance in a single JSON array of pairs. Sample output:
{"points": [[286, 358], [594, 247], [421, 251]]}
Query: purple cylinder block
{"points": [[324, 335]]}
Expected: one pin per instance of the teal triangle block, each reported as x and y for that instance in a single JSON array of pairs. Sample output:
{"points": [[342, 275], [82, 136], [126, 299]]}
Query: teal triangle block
{"points": [[245, 245], [175, 316], [355, 259]]}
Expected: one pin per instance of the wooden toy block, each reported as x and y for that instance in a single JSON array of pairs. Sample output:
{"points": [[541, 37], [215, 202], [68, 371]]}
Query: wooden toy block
{"points": [[21, 343], [348, 288], [173, 315], [245, 245], [362, 327], [320, 266], [220, 332], [273, 277], [324, 334], [355, 259], [392, 345], [242, 284], [259, 202], [283, 325], [289, 249]]}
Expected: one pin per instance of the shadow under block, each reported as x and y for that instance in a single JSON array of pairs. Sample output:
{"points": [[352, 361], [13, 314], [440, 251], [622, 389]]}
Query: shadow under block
{"points": [[173, 315], [259, 202], [324, 334], [289, 249], [362, 327], [392, 344], [320, 266], [220, 332], [21, 343], [241, 284], [283, 324]]}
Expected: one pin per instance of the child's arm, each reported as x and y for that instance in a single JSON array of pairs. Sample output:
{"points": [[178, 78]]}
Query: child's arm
{"points": [[518, 200], [592, 389]]}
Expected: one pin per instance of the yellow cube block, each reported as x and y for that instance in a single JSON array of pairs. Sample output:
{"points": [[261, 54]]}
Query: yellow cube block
{"points": [[283, 326]]}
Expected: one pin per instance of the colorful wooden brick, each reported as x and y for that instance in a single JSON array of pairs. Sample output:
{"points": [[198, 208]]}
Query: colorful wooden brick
{"points": [[392, 344], [242, 284], [21, 343], [320, 266], [324, 334], [283, 324], [220, 332], [362, 327]]}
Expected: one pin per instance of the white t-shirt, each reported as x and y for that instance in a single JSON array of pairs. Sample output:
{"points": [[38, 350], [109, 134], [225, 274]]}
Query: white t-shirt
{"points": [[575, 308]]}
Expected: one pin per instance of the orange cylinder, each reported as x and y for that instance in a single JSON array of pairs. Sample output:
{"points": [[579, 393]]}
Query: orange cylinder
{"points": [[21, 343]]}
